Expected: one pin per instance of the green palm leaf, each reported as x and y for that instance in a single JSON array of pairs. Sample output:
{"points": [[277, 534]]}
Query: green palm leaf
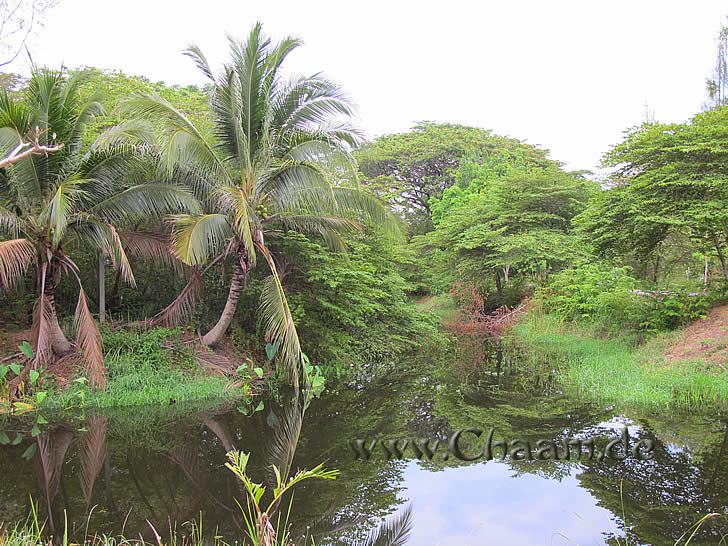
{"points": [[277, 321], [146, 201], [196, 237]]}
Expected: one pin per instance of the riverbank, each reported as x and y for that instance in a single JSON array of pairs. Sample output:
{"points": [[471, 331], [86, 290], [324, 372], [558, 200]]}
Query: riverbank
{"points": [[622, 371], [143, 368]]}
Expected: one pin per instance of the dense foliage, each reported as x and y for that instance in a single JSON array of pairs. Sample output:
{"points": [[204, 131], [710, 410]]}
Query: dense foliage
{"points": [[182, 189], [141, 152], [414, 169]]}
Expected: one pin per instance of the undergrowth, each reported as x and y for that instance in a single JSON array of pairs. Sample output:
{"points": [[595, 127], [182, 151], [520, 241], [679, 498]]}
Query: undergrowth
{"points": [[144, 368]]}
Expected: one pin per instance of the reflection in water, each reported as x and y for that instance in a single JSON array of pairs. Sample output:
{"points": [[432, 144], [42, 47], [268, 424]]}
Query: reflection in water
{"points": [[115, 471]]}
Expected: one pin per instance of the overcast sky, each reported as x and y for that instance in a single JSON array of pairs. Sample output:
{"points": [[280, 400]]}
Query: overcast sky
{"points": [[566, 75]]}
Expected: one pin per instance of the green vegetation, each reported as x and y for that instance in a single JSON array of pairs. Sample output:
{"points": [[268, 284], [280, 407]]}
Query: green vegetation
{"points": [[146, 368], [170, 186], [608, 299], [617, 371], [163, 246], [253, 215]]}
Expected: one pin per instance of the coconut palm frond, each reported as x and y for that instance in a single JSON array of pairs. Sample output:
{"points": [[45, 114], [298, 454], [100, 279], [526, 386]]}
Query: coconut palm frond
{"points": [[233, 199], [41, 335], [92, 454], [9, 223], [16, 256], [282, 448], [277, 321], [154, 247], [310, 102], [88, 340], [52, 448], [118, 256], [392, 532], [56, 214], [102, 235], [183, 143], [145, 201], [195, 53], [341, 202], [329, 228], [196, 237], [181, 309], [132, 133], [287, 179], [109, 169]]}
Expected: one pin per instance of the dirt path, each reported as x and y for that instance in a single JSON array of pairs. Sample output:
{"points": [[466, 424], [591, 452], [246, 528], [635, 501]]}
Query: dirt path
{"points": [[705, 339]]}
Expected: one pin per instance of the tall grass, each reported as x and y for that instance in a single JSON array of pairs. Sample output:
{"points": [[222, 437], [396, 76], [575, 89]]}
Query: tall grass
{"points": [[32, 532], [618, 371]]}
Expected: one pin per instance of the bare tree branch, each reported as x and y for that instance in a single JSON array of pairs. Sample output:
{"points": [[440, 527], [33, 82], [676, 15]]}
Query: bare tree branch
{"points": [[17, 21], [26, 149]]}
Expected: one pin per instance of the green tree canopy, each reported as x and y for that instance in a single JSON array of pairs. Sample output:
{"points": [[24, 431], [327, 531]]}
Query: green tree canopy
{"points": [[413, 169], [670, 180], [518, 224]]}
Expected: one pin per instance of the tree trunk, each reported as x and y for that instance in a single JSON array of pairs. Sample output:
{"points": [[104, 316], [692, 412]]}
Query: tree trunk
{"points": [[706, 274], [102, 287], [721, 258], [499, 287], [216, 334], [58, 339]]}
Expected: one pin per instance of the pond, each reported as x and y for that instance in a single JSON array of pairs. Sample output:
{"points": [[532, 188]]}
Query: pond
{"points": [[118, 472]]}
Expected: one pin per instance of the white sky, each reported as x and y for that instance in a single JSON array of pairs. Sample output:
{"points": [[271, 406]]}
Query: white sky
{"points": [[567, 75]]}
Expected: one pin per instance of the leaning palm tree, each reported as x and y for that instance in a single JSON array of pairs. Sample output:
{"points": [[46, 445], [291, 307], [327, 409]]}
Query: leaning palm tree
{"points": [[268, 166], [71, 200]]}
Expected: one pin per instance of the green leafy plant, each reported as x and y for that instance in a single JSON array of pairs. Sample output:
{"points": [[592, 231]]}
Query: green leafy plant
{"points": [[266, 524], [77, 197]]}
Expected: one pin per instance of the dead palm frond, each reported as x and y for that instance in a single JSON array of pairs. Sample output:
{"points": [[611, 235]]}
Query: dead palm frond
{"points": [[92, 454], [88, 339], [181, 309], [16, 256]]}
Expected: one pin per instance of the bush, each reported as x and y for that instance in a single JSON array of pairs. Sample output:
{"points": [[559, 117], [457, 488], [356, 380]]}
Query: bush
{"points": [[596, 292], [608, 297], [671, 311]]}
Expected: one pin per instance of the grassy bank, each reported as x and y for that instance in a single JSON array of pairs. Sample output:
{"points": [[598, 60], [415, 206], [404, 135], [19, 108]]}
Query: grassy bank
{"points": [[143, 369], [621, 371]]}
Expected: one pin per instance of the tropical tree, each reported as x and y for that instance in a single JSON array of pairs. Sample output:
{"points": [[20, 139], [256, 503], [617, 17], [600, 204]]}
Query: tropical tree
{"points": [[670, 183], [68, 201], [277, 146], [506, 224], [414, 170]]}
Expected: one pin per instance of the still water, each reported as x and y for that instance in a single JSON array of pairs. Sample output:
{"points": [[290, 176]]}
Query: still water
{"points": [[115, 472]]}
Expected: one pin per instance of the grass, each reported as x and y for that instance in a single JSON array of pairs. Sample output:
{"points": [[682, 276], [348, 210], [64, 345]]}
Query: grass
{"points": [[618, 371], [33, 533], [144, 368], [441, 305]]}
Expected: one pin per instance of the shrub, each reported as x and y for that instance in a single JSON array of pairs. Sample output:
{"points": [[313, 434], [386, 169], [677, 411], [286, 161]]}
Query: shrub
{"points": [[596, 292], [608, 297], [660, 313]]}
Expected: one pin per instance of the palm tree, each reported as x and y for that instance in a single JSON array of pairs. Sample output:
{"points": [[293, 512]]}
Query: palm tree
{"points": [[268, 166], [71, 200]]}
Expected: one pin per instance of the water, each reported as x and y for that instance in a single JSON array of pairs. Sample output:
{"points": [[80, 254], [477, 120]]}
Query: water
{"points": [[114, 472]]}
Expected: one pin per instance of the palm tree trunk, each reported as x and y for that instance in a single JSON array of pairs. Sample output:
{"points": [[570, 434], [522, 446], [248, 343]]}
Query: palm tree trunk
{"points": [[215, 335], [58, 339]]}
